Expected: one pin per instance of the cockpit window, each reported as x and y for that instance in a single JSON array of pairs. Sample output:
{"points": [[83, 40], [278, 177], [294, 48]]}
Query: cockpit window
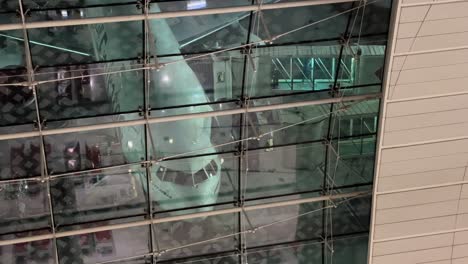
{"points": [[200, 176], [212, 168], [187, 179]]}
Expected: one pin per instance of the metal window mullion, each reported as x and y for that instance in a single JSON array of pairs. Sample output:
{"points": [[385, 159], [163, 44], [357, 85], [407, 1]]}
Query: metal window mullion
{"points": [[174, 14], [242, 134], [154, 120], [146, 112], [43, 162]]}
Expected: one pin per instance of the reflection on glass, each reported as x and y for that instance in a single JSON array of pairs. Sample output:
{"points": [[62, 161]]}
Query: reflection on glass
{"points": [[104, 245], [95, 149], [308, 226], [16, 101], [141, 260], [286, 126], [99, 195], [199, 81], [168, 5], [351, 250], [194, 136], [20, 157], [44, 4], [362, 62], [88, 43], [273, 23], [75, 94], [355, 164], [175, 237], [11, 50], [351, 215], [225, 259], [23, 206], [190, 34], [63, 9], [38, 252], [353, 119], [304, 253], [193, 182], [284, 170], [283, 70], [373, 19]]}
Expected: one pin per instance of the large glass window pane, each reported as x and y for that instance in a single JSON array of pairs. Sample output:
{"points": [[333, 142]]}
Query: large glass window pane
{"points": [[362, 62], [24, 205], [283, 170], [12, 52], [96, 196], [291, 69], [190, 34], [273, 23], [168, 5], [8, 12], [194, 182], [303, 253], [352, 215], [86, 43], [282, 225], [63, 10], [287, 126], [140, 260], [95, 149], [194, 136], [179, 239], [44, 4], [38, 252], [20, 157], [351, 250], [205, 80], [372, 18], [104, 245], [351, 161], [353, 119], [76, 94], [225, 259]]}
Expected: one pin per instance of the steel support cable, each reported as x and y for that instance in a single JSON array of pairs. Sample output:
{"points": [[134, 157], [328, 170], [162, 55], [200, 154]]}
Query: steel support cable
{"points": [[197, 56], [315, 119], [162, 15], [257, 228]]}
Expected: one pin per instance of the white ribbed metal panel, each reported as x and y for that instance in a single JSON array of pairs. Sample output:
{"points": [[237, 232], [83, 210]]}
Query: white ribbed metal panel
{"points": [[420, 212]]}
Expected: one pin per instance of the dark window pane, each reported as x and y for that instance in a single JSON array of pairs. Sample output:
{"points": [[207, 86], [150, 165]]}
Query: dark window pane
{"points": [[176, 237], [103, 246], [284, 170], [40, 252], [20, 158], [95, 149], [286, 20], [24, 206], [97, 196], [74, 94]]}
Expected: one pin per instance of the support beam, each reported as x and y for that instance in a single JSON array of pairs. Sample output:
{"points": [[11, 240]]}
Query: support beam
{"points": [[154, 120], [162, 15], [181, 217]]}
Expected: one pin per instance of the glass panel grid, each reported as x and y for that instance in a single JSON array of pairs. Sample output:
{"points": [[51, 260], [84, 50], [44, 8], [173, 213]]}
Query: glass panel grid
{"points": [[203, 164]]}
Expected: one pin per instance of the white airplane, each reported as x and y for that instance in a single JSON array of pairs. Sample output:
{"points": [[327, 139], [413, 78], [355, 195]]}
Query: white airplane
{"points": [[176, 183]]}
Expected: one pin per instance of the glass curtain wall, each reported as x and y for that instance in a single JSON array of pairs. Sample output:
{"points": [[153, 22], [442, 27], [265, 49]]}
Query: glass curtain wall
{"points": [[232, 137]]}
